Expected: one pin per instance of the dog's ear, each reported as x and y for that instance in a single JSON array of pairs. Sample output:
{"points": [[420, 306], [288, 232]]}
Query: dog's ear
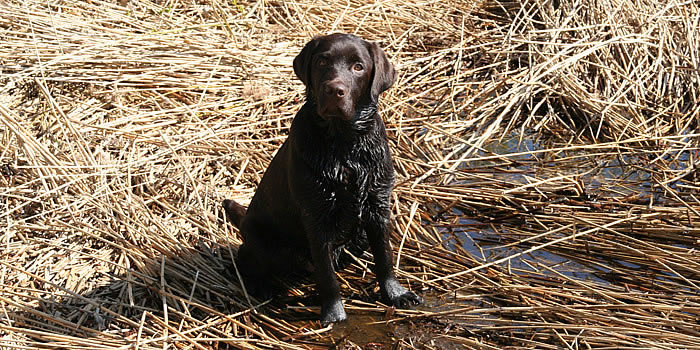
{"points": [[384, 73], [303, 60]]}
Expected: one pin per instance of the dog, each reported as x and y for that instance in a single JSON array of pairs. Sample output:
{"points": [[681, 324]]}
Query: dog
{"points": [[328, 187]]}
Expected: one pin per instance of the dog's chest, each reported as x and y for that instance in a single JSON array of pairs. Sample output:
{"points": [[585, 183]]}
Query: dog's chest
{"points": [[350, 177], [348, 199]]}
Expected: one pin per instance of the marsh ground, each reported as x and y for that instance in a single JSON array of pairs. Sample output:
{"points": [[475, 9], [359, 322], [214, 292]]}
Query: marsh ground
{"points": [[546, 154]]}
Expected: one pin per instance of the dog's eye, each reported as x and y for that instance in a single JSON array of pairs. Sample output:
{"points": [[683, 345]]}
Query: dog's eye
{"points": [[322, 62], [358, 67]]}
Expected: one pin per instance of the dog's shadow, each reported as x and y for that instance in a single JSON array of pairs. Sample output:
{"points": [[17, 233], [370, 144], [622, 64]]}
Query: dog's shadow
{"points": [[195, 287]]}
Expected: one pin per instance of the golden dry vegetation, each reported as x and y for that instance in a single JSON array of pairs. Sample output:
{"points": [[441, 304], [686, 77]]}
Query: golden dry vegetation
{"points": [[546, 154]]}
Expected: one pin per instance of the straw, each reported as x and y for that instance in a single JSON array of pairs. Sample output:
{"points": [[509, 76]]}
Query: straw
{"points": [[546, 156]]}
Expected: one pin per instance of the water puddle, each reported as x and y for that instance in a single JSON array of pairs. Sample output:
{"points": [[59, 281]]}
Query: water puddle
{"points": [[486, 245], [370, 331], [592, 178], [610, 171]]}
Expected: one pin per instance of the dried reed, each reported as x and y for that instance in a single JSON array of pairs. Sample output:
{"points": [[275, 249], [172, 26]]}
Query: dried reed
{"points": [[546, 154]]}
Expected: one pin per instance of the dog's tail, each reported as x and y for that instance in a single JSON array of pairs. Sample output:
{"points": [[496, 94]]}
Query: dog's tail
{"points": [[235, 212]]}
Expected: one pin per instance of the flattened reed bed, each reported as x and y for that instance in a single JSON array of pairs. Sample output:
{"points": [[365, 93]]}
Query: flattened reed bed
{"points": [[546, 156]]}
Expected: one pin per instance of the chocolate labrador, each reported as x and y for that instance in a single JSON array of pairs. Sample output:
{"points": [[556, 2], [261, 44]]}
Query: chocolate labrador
{"points": [[328, 187]]}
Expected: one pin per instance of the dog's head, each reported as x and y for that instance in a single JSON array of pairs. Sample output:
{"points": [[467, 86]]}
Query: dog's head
{"points": [[342, 72]]}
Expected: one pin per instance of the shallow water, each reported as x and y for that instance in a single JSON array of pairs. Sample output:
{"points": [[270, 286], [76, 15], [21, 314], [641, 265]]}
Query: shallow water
{"points": [[486, 246], [369, 331], [598, 174]]}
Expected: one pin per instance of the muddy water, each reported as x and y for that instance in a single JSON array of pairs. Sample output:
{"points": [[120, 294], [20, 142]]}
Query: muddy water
{"points": [[370, 331]]}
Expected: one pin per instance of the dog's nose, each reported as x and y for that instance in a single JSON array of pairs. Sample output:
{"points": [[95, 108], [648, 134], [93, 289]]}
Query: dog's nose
{"points": [[335, 89]]}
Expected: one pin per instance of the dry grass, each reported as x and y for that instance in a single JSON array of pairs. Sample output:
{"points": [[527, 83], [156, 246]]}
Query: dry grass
{"points": [[546, 155]]}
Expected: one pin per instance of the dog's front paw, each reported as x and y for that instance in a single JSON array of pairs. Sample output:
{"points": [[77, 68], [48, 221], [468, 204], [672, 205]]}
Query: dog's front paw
{"points": [[396, 295], [406, 299], [332, 313]]}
